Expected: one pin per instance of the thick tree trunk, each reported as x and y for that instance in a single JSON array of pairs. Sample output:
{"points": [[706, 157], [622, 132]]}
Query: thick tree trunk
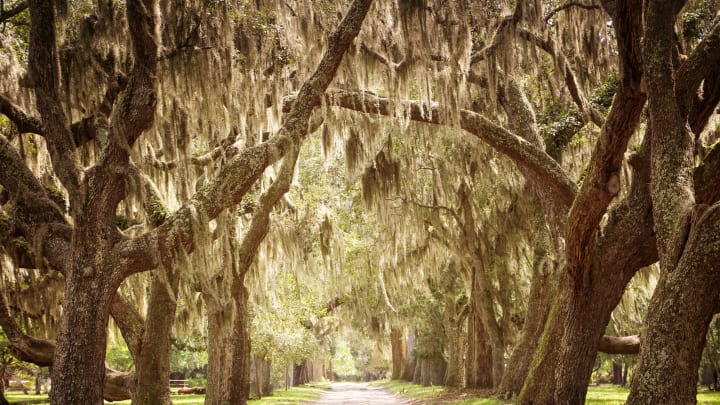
{"points": [[78, 370], [671, 350], [239, 347], [228, 350], [542, 292], [399, 348], [434, 370], [153, 366], [482, 301], [455, 350], [479, 360], [217, 343], [569, 344], [260, 378]]}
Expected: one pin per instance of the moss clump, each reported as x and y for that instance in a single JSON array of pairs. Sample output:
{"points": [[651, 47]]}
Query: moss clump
{"points": [[156, 211], [123, 222], [56, 196]]}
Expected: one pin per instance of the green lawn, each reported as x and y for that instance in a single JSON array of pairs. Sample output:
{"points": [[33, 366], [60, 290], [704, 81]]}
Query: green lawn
{"points": [[614, 395], [597, 395], [410, 390], [17, 397], [295, 395]]}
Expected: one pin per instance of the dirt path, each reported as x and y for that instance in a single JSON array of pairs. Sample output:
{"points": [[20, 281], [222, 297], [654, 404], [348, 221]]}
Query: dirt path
{"points": [[358, 394]]}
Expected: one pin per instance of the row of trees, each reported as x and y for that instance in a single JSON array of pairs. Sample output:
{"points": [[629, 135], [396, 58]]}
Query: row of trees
{"points": [[510, 168]]}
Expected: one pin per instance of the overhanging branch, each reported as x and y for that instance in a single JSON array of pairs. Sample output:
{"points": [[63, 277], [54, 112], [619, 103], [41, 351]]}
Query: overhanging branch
{"points": [[516, 148]]}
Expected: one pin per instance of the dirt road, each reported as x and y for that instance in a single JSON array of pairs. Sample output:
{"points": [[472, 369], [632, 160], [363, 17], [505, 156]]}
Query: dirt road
{"points": [[358, 394]]}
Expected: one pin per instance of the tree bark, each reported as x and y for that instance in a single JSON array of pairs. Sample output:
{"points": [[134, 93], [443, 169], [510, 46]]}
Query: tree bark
{"points": [[479, 360], [671, 350], [399, 349], [217, 346], [455, 349], [687, 233], [542, 292], [153, 365], [82, 340], [482, 300], [408, 374]]}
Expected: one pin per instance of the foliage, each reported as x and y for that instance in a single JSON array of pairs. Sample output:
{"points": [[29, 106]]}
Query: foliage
{"points": [[558, 124], [603, 95], [118, 355]]}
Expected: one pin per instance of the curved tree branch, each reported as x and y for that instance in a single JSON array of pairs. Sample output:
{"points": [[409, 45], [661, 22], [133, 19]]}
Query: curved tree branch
{"points": [[619, 344], [23, 121], [703, 60], [45, 73], [570, 5], [237, 177], [602, 182], [15, 10], [516, 148]]}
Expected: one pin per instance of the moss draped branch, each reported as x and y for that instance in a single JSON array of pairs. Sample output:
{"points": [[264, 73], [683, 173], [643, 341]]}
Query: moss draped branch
{"points": [[516, 148], [602, 182], [237, 177], [44, 73]]}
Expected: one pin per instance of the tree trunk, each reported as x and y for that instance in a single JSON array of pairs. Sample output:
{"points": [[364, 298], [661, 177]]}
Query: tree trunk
{"points": [[228, 349], [418, 372], [260, 383], [539, 302], [566, 354], [482, 301], [617, 367], [671, 350], [300, 373], [455, 348], [153, 367], [399, 348], [78, 368], [3, 401], [408, 374], [478, 368]]}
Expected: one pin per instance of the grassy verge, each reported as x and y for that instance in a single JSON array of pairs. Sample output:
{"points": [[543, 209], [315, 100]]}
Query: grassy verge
{"points": [[295, 395], [410, 390], [17, 397], [436, 394], [597, 395], [615, 395]]}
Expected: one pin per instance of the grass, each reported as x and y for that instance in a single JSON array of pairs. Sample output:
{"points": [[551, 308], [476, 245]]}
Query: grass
{"points": [[615, 395], [295, 395], [17, 397], [410, 390], [597, 395]]}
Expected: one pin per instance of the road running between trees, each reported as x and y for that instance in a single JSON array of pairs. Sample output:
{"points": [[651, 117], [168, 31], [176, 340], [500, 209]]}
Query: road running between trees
{"points": [[358, 394]]}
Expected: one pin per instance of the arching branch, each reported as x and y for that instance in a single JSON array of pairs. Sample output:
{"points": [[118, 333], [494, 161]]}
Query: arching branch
{"points": [[568, 6], [237, 177], [23, 121], [516, 148], [602, 182], [44, 72]]}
